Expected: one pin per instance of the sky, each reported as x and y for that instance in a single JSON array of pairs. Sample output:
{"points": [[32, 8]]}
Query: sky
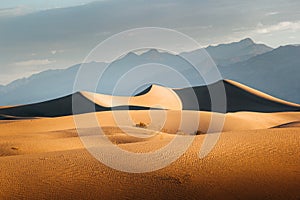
{"points": [[37, 35]]}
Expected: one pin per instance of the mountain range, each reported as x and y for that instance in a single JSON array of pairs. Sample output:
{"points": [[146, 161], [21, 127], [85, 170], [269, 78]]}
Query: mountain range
{"points": [[274, 71], [227, 54]]}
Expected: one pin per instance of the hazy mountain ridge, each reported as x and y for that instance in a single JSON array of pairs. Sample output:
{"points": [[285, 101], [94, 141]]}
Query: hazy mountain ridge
{"points": [[226, 54], [39, 87], [57, 83]]}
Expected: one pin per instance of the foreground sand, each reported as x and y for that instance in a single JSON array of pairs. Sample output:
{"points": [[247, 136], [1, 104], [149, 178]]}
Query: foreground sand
{"points": [[44, 159]]}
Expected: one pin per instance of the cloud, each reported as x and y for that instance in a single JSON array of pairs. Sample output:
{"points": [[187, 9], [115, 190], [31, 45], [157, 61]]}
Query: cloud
{"points": [[53, 52], [16, 11], [281, 26], [271, 13], [34, 62]]}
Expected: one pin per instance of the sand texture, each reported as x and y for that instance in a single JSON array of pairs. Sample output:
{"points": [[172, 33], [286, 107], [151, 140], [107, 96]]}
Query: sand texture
{"points": [[45, 159]]}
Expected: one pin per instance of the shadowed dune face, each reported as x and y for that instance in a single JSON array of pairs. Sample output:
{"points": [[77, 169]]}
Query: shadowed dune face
{"points": [[54, 108], [238, 98], [60, 107]]}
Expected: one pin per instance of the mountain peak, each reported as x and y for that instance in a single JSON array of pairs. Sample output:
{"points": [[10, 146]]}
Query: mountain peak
{"points": [[247, 41], [151, 52], [242, 43], [230, 53], [131, 54]]}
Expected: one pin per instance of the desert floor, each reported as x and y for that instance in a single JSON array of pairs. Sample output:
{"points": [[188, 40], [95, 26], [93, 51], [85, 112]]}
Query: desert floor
{"points": [[45, 159]]}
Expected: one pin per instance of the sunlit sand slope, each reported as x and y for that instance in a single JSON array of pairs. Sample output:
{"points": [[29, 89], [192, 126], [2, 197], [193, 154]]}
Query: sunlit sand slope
{"points": [[45, 159]]}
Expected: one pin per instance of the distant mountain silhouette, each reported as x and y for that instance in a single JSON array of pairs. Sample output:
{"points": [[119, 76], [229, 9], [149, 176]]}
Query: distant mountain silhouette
{"points": [[273, 72], [39, 87], [226, 54]]}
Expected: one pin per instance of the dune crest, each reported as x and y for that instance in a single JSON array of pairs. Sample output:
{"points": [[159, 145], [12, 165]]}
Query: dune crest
{"points": [[261, 94], [157, 97]]}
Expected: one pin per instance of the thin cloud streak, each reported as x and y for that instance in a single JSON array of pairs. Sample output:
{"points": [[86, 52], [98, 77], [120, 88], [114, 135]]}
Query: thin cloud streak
{"points": [[16, 11], [34, 62], [282, 26]]}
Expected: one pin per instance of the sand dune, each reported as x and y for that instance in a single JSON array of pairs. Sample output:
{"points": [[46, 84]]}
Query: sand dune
{"points": [[261, 94], [239, 98], [155, 97], [44, 159], [256, 157], [57, 107], [289, 124], [61, 107], [233, 121]]}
